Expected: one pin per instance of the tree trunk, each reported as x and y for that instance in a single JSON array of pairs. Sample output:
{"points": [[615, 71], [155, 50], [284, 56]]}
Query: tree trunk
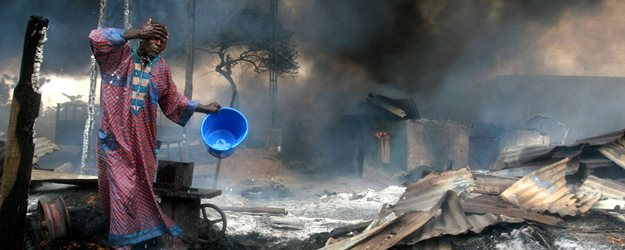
{"points": [[188, 85], [234, 101], [20, 148]]}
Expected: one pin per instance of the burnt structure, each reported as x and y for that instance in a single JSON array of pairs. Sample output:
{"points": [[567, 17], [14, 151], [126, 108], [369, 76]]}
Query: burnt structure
{"points": [[389, 135]]}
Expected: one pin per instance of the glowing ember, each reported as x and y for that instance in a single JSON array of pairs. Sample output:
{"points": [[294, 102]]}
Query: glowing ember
{"points": [[615, 241], [380, 134]]}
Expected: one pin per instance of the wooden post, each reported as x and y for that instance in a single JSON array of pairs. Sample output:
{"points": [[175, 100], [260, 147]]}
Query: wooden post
{"points": [[185, 212], [20, 148]]}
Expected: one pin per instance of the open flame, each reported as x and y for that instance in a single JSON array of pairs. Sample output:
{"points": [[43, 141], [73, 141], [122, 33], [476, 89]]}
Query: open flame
{"points": [[380, 134]]}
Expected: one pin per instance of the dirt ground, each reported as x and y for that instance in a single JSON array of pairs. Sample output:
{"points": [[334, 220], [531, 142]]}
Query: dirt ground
{"points": [[246, 169], [304, 178], [250, 168]]}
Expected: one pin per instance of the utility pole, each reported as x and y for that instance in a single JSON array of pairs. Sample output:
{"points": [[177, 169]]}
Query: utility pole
{"points": [[273, 77], [188, 85], [273, 135]]}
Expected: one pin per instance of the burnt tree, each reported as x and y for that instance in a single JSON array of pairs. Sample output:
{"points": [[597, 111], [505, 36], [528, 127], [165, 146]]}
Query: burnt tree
{"points": [[20, 148], [244, 37]]}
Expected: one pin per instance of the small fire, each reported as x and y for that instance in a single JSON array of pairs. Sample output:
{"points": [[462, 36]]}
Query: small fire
{"points": [[615, 241], [380, 134]]}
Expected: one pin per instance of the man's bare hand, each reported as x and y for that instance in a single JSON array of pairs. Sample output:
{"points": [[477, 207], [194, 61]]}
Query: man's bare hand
{"points": [[148, 31], [208, 109], [153, 31]]}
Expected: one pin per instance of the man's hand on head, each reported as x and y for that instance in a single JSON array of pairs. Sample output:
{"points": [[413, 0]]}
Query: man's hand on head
{"points": [[208, 109], [148, 31], [153, 31]]}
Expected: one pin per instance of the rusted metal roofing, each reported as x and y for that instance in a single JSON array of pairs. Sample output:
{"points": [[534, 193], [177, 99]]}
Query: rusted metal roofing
{"points": [[416, 226], [490, 204], [517, 155], [43, 146], [482, 221], [608, 188], [390, 235], [602, 139], [544, 190], [384, 219], [417, 206], [427, 191], [615, 152], [451, 221], [611, 193], [487, 184], [518, 172]]}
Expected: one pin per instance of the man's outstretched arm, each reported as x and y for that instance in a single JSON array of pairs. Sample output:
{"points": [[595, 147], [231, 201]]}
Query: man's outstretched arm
{"points": [[208, 109]]}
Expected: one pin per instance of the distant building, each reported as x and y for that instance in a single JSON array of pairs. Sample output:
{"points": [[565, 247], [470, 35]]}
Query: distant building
{"points": [[379, 138]]}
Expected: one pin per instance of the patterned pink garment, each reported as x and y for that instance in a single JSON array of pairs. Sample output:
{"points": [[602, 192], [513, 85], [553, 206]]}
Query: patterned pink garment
{"points": [[127, 156]]}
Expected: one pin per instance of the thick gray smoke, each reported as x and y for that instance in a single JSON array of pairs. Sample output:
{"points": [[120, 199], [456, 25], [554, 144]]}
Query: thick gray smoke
{"points": [[442, 53]]}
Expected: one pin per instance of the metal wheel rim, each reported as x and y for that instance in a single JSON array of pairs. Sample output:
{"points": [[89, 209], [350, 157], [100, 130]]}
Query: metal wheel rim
{"points": [[212, 238]]}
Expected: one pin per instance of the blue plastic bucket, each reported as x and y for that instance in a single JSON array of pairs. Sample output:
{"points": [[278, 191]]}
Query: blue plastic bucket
{"points": [[223, 132]]}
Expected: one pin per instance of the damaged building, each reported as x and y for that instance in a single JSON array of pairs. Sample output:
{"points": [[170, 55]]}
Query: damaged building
{"points": [[389, 135]]}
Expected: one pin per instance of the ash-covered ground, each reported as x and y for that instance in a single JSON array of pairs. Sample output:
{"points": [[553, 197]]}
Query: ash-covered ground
{"points": [[317, 203], [313, 217]]}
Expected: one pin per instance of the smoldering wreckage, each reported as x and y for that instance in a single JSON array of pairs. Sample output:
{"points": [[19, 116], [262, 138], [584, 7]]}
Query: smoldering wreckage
{"points": [[543, 196], [534, 196]]}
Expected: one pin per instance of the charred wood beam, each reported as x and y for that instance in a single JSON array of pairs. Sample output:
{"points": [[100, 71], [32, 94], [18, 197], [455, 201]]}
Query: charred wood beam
{"points": [[264, 210], [390, 108], [20, 147], [337, 232]]}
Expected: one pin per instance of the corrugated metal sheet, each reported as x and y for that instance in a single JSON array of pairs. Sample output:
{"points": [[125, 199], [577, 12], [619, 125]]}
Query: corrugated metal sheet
{"points": [[490, 204], [544, 190], [611, 193], [518, 172], [482, 221], [615, 152], [415, 227], [607, 188], [43, 146], [487, 184], [417, 206], [386, 215], [393, 233], [602, 139], [427, 191], [407, 105], [451, 221], [517, 155], [431, 244], [512, 157]]}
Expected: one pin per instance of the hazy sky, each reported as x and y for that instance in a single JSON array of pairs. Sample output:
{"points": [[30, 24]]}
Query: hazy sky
{"points": [[442, 53]]}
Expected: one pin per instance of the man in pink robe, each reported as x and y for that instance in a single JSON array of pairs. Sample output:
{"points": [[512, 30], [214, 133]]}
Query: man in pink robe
{"points": [[135, 82]]}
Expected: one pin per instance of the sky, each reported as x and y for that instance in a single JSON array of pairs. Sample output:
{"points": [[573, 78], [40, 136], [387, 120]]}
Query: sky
{"points": [[459, 60]]}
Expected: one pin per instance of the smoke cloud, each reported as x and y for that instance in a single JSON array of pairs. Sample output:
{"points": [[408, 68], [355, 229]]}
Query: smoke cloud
{"points": [[453, 57]]}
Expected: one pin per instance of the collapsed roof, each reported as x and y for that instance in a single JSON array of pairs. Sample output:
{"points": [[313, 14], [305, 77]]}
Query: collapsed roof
{"points": [[527, 184]]}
